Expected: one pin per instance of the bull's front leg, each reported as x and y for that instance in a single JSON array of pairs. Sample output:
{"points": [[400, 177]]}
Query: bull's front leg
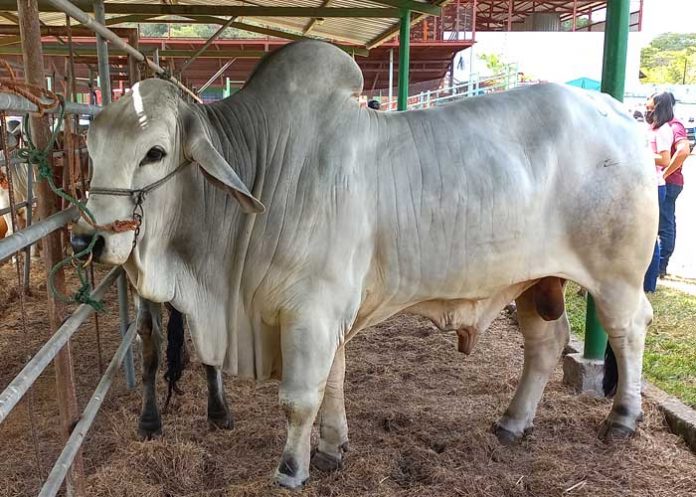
{"points": [[543, 344], [333, 426], [219, 415], [308, 348], [149, 325]]}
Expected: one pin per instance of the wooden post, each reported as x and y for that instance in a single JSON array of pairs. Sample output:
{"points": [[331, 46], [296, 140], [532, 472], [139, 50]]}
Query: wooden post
{"points": [[32, 54], [133, 70]]}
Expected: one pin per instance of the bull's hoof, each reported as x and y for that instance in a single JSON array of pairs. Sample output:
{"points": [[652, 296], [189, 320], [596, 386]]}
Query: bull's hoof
{"points": [[613, 431], [289, 474], [221, 421], [149, 429], [505, 436], [290, 482], [327, 462]]}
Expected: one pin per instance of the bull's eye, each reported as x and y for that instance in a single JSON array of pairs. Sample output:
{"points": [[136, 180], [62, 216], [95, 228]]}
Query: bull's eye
{"points": [[155, 154]]}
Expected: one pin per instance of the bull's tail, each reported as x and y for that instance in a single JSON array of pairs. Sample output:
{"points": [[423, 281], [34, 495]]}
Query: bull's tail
{"points": [[611, 373], [175, 352]]}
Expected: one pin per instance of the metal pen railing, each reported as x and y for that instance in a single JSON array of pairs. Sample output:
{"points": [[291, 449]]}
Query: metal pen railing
{"points": [[475, 86], [20, 385]]}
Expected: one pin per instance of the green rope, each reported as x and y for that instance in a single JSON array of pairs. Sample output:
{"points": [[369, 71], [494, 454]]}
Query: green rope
{"points": [[41, 158]]}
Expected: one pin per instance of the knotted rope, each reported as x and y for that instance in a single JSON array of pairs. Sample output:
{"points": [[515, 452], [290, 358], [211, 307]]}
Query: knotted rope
{"points": [[46, 100]]}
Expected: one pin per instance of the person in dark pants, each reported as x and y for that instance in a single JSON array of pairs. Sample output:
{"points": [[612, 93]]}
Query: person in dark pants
{"points": [[661, 138], [673, 178]]}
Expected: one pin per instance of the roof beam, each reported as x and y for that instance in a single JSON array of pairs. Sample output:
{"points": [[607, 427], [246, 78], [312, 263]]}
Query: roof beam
{"points": [[77, 31], [308, 27], [357, 50], [422, 7], [207, 44], [218, 10], [391, 32], [178, 54], [10, 17], [123, 19], [9, 40]]}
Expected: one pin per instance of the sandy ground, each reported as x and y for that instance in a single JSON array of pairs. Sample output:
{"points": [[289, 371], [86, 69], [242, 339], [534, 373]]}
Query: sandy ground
{"points": [[419, 415]]}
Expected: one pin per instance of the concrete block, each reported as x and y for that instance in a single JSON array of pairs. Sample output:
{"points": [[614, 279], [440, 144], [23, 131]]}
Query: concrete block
{"points": [[585, 375], [680, 417]]}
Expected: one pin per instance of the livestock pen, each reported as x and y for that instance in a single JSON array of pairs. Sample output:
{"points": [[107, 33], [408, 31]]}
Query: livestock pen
{"points": [[419, 411]]}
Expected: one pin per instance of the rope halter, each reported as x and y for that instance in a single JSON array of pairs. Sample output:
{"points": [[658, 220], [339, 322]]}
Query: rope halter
{"points": [[137, 196]]}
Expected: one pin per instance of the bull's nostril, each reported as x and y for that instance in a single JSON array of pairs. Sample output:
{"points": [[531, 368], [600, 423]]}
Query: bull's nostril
{"points": [[81, 242], [98, 247]]}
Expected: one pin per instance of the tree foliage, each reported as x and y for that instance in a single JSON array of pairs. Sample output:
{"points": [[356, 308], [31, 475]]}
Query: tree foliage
{"points": [[670, 58], [580, 22], [494, 62], [192, 31]]}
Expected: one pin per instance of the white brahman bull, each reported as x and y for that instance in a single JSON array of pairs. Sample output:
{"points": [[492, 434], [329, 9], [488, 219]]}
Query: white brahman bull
{"points": [[450, 213]]}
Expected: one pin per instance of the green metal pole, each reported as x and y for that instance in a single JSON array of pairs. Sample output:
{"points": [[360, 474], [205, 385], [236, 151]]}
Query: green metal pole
{"points": [[613, 83], [404, 59], [615, 48]]}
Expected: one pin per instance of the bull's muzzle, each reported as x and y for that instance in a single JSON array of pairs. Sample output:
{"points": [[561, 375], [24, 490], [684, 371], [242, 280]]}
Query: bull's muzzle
{"points": [[81, 242]]}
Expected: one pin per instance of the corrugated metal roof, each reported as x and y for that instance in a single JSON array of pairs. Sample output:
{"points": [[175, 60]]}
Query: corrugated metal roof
{"points": [[354, 30], [360, 31]]}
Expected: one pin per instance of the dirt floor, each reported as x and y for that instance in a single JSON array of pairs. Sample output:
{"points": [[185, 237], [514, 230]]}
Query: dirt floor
{"points": [[419, 415]]}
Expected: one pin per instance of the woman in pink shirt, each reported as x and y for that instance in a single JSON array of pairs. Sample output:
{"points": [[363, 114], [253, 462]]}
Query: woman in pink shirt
{"points": [[658, 114], [673, 177]]}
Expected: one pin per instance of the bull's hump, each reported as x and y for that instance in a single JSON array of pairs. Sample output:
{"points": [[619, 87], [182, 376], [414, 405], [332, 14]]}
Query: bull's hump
{"points": [[310, 69]]}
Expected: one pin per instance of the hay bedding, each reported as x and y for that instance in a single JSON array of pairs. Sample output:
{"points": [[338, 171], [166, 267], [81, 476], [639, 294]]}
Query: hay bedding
{"points": [[418, 414]]}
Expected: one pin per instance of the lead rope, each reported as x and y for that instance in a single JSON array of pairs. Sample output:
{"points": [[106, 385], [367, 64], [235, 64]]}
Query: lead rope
{"points": [[45, 100]]}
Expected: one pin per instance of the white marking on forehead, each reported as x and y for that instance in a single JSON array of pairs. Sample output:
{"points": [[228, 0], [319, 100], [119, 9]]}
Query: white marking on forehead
{"points": [[139, 107]]}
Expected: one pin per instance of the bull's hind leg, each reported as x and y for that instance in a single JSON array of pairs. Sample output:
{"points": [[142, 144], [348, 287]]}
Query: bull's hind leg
{"points": [[333, 427], [543, 344], [308, 348], [149, 324], [219, 415], [625, 313]]}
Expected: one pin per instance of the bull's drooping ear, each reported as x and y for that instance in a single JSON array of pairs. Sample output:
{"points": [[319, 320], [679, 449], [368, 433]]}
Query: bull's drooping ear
{"points": [[217, 169]]}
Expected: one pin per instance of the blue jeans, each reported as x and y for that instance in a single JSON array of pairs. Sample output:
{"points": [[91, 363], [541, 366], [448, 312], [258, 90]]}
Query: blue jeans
{"points": [[668, 225], [650, 280]]}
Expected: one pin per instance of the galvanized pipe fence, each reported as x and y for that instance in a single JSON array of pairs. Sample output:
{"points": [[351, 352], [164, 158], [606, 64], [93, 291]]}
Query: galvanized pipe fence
{"points": [[475, 86], [23, 240]]}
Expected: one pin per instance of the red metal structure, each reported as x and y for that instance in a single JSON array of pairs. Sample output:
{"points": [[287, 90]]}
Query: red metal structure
{"points": [[434, 43]]}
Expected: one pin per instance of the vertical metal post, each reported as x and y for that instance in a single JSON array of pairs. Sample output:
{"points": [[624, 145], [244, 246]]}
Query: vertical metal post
{"points": [[32, 54], [615, 48], [474, 13], [613, 81], [575, 15], [122, 284], [128, 367], [404, 58], [391, 77], [30, 212], [90, 86], [102, 55], [509, 17]]}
